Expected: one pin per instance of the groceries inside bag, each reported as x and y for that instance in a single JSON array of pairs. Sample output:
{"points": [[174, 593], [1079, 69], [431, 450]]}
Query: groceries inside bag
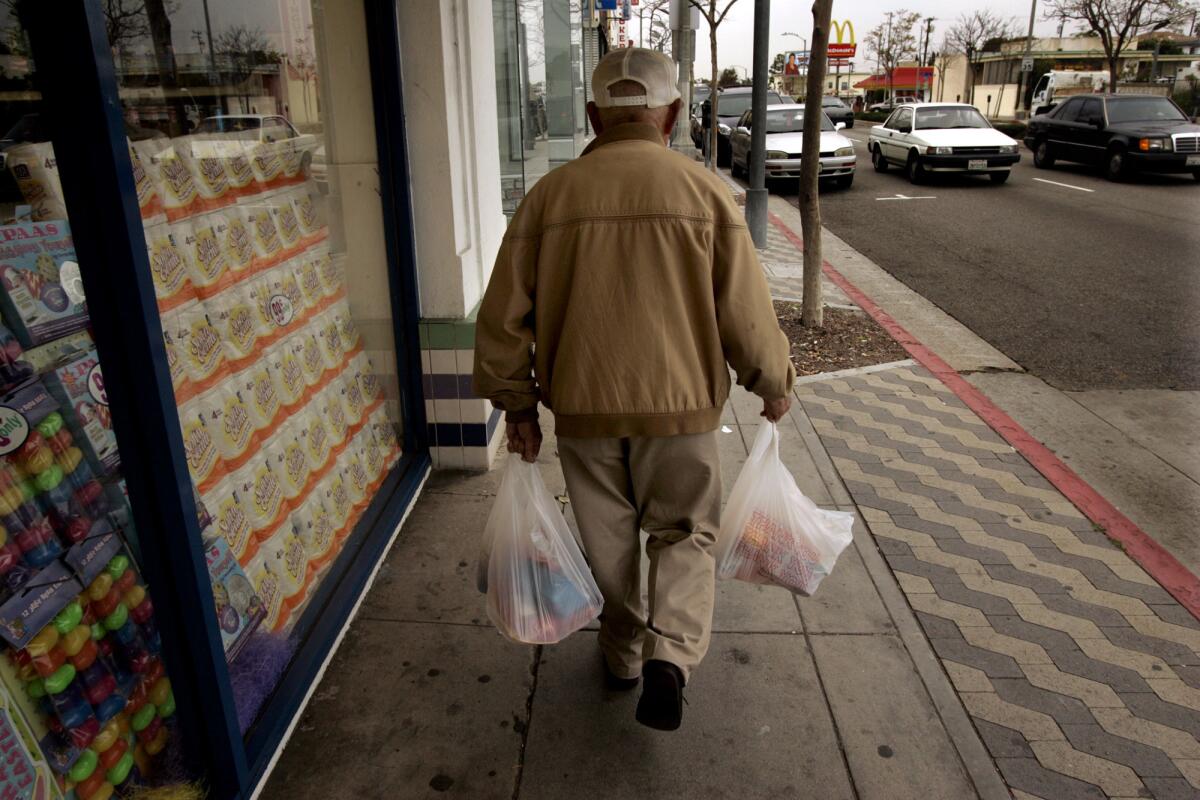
{"points": [[770, 532], [539, 587]]}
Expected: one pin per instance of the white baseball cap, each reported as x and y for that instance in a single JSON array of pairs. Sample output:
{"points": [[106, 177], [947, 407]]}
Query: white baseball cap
{"points": [[650, 68]]}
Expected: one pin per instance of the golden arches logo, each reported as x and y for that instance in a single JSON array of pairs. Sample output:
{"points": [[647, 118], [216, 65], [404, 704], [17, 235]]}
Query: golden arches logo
{"points": [[840, 29]]}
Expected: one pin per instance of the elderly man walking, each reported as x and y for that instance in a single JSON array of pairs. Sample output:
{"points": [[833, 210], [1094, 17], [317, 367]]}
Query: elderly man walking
{"points": [[625, 288]]}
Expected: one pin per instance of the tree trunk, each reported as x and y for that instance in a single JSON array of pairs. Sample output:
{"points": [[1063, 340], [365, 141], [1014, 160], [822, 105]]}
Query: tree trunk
{"points": [[712, 99], [1112, 73], [812, 306]]}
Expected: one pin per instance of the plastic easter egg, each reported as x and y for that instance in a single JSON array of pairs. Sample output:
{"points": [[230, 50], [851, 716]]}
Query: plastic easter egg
{"points": [[100, 586], [51, 425], [153, 672], [116, 568], [78, 529], [61, 679], [26, 672], [126, 581], [87, 652], [88, 789], [110, 757], [98, 631], [84, 766], [134, 596], [26, 488], [69, 617], [123, 722], [69, 459], [120, 771], [49, 662], [33, 442], [41, 644], [10, 556], [60, 441], [10, 500], [148, 733], [160, 741], [167, 707], [142, 612], [105, 792], [37, 462], [118, 617], [89, 493], [160, 691], [73, 642], [3, 536], [83, 733], [36, 688], [111, 706], [108, 735], [106, 604], [49, 477], [143, 717]]}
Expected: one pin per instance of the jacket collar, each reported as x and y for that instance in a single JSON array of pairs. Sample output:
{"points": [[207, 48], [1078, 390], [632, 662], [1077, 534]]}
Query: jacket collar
{"points": [[640, 131]]}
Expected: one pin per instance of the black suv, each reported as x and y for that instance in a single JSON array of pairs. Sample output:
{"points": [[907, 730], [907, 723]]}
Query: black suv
{"points": [[731, 104], [1123, 133]]}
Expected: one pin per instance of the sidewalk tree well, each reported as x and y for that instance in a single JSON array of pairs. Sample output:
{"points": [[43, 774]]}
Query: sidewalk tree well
{"points": [[810, 167], [714, 18], [1118, 22], [891, 41], [971, 34]]}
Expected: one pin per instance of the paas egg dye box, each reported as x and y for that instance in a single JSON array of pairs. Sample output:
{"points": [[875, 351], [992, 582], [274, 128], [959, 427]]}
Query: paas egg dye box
{"points": [[239, 608], [78, 385], [39, 281]]}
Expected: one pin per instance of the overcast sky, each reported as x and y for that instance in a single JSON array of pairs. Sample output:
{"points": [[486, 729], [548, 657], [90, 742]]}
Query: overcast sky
{"points": [[735, 39]]}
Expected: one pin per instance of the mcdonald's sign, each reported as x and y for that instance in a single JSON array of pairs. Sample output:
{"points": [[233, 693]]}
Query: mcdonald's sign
{"points": [[845, 46]]}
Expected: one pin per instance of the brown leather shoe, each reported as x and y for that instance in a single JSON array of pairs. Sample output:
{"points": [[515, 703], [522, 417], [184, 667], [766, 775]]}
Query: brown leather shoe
{"points": [[661, 704]]}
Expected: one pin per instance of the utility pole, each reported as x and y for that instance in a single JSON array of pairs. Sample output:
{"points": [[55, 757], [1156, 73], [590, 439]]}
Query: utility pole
{"points": [[925, 54], [1022, 103], [756, 195]]}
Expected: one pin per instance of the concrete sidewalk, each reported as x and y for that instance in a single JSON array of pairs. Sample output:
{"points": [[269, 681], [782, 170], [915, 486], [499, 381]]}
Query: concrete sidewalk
{"points": [[426, 699]]}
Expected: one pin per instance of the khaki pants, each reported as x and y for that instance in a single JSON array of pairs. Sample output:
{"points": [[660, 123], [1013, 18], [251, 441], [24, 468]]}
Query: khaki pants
{"points": [[670, 487]]}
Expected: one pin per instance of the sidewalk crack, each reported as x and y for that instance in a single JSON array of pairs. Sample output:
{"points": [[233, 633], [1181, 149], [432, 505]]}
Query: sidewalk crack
{"points": [[522, 726]]}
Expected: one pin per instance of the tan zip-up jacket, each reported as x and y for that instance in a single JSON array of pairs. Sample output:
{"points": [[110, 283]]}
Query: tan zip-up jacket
{"points": [[625, 283]]}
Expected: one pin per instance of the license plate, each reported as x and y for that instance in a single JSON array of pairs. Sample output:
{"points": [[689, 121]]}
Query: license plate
{"points": [[1193, 161], [977, 163]]}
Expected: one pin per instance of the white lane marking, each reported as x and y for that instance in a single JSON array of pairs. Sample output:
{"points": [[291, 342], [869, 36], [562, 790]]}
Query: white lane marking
{"points": [[1064, 185], [906, 197]]}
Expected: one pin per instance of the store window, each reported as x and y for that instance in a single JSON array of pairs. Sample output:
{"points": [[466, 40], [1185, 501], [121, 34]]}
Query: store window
{"points": [[253, 151], [253, 147]]}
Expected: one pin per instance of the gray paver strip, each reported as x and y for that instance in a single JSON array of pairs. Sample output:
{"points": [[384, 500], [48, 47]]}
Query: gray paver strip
{"points": [[983, 531]]}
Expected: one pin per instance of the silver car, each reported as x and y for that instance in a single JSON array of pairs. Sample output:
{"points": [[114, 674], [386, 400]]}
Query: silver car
{"points": [[785, 140]]}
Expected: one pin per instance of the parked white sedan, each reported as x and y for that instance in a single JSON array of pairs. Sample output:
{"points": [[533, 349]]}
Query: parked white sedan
{"points": [[941, 137], [785, 140]]}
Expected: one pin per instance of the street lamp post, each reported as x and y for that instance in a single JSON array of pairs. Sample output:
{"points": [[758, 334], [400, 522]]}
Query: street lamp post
{"points": [[1022, 80]]}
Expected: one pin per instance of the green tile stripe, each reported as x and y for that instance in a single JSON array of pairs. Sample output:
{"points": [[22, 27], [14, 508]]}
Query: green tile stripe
{"points": [[449, 334]]}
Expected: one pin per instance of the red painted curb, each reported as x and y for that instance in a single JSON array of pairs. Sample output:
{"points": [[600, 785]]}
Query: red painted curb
{"points": [[1177, 579]]}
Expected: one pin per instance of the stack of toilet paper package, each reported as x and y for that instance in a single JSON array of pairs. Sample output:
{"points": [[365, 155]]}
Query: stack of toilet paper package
{"points": [[282, 415]]}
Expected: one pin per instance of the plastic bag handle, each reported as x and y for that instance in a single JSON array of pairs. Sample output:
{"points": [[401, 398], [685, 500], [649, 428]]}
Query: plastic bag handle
{"points": [[768, 436]]}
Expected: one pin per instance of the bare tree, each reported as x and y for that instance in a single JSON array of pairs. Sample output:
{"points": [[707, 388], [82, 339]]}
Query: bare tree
{"points": [[242, 50], [812, 312], [1118, 22], [969, 34], [714, 18], [892, 41]]}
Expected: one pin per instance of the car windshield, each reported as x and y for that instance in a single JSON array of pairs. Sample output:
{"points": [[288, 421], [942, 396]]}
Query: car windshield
{"points": [[735, 105], [241, 127], [792, 120], [832, 102], [1143, 109], [945, 117]]}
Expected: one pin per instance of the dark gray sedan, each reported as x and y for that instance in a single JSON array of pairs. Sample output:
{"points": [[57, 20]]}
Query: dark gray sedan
{"points": [[837, 110]]}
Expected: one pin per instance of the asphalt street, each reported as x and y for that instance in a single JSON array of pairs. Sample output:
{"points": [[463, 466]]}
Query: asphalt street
{"points": [[1085, 283]]}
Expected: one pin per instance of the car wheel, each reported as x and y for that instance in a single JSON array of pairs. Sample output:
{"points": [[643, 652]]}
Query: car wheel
{"points": [[878, 161], [850, 122], [1115, 165], [916, 172], [1043, 156], [845, 181], [1196, 175], [999, 177]]}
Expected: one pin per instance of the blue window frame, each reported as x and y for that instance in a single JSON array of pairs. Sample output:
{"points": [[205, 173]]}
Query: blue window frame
{"points": [[84, 120]]}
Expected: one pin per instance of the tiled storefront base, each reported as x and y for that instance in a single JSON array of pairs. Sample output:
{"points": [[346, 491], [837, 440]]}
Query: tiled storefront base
{"points": [[464, 430]]}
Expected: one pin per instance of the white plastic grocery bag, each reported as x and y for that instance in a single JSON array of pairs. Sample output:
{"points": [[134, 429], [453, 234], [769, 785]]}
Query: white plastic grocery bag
{"points": [[770, 532], [539, 587]]}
